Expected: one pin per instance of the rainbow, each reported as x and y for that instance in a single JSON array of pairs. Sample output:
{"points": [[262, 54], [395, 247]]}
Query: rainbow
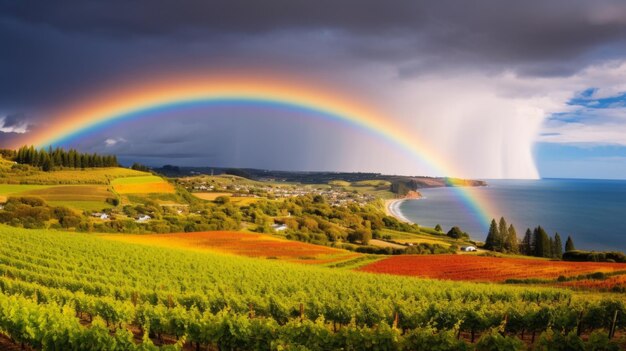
{"points": [[128, 104]]}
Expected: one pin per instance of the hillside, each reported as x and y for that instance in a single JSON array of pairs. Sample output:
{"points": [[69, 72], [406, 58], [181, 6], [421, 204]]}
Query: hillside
{"points": [[386, 185], [118, 200], [82, 189], [136, 296]]}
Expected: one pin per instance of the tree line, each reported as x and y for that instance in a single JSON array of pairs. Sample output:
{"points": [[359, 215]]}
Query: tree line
{"points": [[538, 243], [51, 159], [503, 238]]}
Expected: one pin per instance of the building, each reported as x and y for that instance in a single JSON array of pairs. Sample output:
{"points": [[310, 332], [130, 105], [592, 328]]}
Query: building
{"points": [[100, 215], [143, 218], [279, 227], [469, 248]]}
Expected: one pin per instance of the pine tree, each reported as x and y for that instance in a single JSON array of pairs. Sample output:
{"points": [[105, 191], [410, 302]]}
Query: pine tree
{"points": [[541, 242], [550, 247], [527, 247], [569, 244], [557, 249], [503, 235], [492, 236], [511, 243]]}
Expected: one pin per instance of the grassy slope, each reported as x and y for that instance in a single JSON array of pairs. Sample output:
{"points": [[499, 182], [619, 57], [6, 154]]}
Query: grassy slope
{"points": [[402, 237], [378, 188], [79, 189]]}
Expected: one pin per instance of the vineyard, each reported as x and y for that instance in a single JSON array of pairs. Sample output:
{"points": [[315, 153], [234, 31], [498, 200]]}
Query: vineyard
{"points": [[69, 291]]}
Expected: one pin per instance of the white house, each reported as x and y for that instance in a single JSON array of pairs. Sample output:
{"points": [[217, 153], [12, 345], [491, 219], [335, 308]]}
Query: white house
{"points": [[100, 215], [468, 248], [143, 218], [279, 227]]}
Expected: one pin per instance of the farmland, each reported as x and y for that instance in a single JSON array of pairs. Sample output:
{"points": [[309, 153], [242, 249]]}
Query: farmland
{"points": [[7, 190], [62, 290], [101, 176], [478, 268], [141, 185], [245, 244]]}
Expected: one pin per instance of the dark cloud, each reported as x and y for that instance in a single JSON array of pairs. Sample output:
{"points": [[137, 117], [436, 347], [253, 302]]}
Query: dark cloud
{"points": [[53, 50], [54, 53], [14, 120]]}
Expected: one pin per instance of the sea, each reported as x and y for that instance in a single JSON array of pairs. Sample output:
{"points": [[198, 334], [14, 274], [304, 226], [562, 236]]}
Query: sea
{"points": [[592, 212]]}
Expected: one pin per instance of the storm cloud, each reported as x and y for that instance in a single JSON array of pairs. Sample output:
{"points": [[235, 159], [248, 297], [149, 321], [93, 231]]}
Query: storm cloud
{"points": [[486, 66]]}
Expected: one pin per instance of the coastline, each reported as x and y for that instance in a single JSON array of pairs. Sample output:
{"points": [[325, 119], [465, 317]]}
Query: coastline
{"points": [[392, 208]]}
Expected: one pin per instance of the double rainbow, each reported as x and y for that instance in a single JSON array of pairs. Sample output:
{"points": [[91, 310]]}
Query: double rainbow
{"points": [[129, 104]]}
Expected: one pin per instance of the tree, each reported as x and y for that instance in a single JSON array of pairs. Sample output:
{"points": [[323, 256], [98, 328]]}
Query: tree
{"points": [[557, 249], [511, 242], [492, 236], [438, 228], [542, 243], [457, 233], [363, 235], [527, 243], [569, 244], [503, 231]]}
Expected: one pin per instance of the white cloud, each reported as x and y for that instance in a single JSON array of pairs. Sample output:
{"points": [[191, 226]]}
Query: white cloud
{"points": [[109, 142]]}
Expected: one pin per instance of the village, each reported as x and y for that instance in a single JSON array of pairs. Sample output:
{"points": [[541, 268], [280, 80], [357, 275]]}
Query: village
{"points": [[334, 195]]}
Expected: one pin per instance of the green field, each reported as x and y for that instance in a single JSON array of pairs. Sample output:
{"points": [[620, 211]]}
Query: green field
{"points": [[378, 188], [7, 190], [63, 290], [70, 176], [402, 237]]}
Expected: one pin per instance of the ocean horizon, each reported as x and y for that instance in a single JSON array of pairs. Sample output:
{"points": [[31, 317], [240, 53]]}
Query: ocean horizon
{"points": [[592, 211]]}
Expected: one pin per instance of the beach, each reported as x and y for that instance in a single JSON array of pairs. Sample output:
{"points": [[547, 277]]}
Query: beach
{"points": [[392, 208]]}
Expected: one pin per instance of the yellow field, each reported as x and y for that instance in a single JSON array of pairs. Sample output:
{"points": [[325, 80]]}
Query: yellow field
{"points": [[84, 176], [210, 196], [71, 193], [234, 199], [142, 185]]}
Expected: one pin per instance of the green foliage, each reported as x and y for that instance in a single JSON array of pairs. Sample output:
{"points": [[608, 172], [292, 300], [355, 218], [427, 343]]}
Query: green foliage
{"points": [[495, 341], [552, 341], [492, 242], [594, 256], [569, 244], [48, 280], [49, 159], [139, 167], [457, 233], [541, 243], [557, 248], [511, 241]]}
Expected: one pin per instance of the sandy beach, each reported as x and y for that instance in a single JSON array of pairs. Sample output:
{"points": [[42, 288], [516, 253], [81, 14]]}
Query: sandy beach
{"points": [[392, 208]]}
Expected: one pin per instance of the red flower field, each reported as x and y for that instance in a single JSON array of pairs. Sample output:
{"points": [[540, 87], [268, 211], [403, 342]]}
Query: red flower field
{"points": [[477, 268]]}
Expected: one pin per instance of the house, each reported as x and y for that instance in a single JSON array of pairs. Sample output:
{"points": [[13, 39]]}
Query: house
{"points": [[143, 218], [279, 227], [100, 215], [468, 248]]}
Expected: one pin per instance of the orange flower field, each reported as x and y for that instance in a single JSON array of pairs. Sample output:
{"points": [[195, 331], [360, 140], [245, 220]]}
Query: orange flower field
{"points": [[477, 268], [245, 244], [607, 284]]}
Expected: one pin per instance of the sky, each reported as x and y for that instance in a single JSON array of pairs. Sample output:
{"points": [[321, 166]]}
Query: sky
{"points": [[501, 89]]}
